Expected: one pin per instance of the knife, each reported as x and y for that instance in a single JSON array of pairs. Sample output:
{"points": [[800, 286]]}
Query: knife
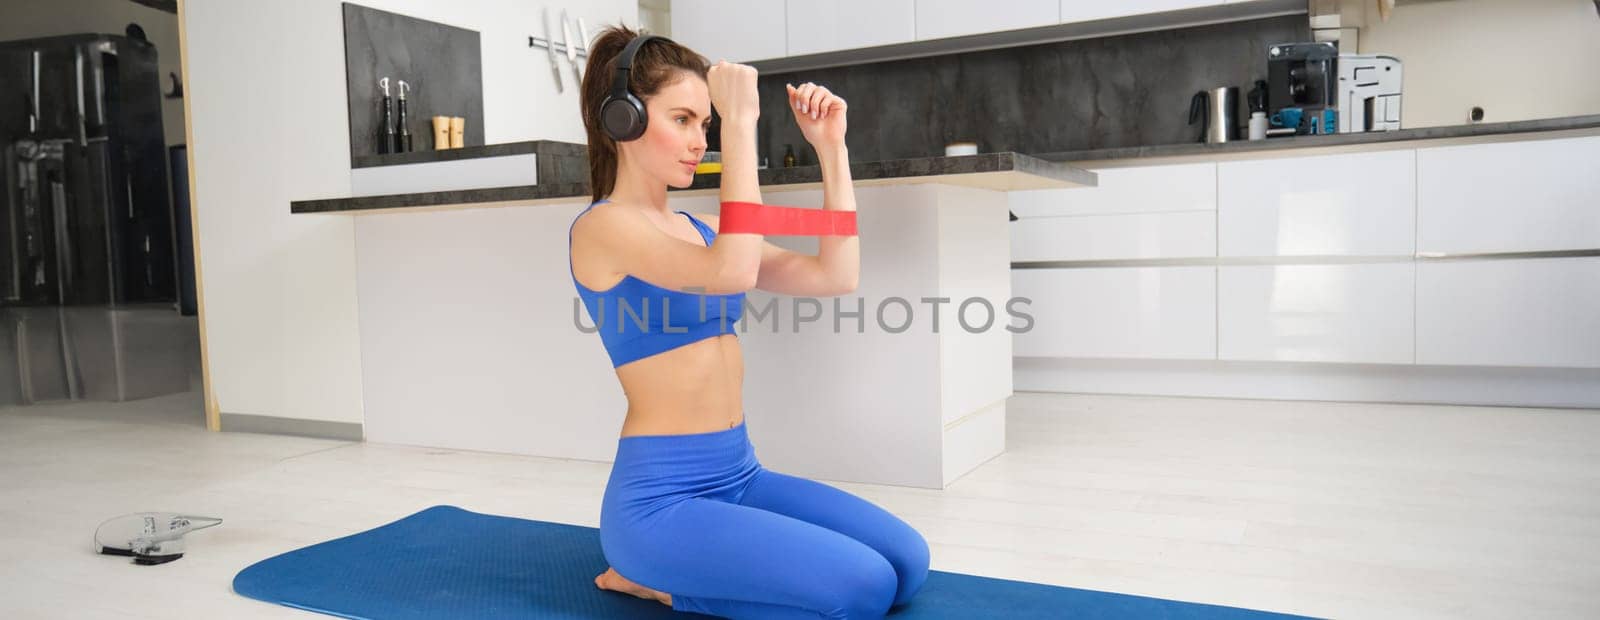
{"points": [[583, 31], [555, 65], [572, 55]]}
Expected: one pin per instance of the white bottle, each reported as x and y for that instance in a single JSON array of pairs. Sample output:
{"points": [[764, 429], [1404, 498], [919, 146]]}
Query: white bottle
{"points": [[1258, 125]]}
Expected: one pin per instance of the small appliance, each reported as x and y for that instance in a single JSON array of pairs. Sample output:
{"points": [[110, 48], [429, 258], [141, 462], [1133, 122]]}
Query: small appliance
{"points": [[1369, 93], [1314, 89], [1217, 111], [1303, 78]]}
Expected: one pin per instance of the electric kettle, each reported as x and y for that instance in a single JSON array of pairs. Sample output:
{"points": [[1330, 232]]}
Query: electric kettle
{"points": [[1217, 111]]}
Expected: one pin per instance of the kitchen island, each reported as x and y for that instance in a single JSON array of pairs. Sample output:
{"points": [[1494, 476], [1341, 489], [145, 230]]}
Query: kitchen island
{"points": [[473, 337]]}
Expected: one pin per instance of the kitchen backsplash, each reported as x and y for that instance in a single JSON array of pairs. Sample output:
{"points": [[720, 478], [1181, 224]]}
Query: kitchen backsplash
{"points": [[1126, 90], [442, 66]]}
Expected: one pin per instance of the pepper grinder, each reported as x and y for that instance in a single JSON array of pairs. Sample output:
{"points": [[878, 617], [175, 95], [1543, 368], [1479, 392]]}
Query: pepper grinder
{"points": [[386, 137], [403, 137], [1258, 111]]}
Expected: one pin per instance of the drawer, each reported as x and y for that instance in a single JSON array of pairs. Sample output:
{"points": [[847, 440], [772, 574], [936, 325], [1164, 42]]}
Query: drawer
{"points": [[1316, 313], [1124, 312], [1359, 204], [1521, 312], [1146, 189], [1510, 197], [1106, 237]]}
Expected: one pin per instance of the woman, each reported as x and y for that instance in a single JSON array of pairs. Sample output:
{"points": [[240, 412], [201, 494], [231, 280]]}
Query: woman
{"points": [[690, 517]]}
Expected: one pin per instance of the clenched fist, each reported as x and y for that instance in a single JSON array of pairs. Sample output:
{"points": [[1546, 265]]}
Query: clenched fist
{"points": [[733, 91]]}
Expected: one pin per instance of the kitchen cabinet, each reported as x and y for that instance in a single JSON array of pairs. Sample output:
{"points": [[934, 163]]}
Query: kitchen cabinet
{"points": [[1316, 313], [1509, 197], [704, 25], [1089, 10], [1143, 189], [1132, 213], [1121, 312], [1187, 234], [1356, 204], [1461, 273], [783, 37], [820, 26], [938, 19], [1517, 312]]}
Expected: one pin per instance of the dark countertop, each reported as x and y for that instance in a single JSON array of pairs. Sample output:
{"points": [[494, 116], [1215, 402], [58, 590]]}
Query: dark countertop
{"points": [[569, 149], [1200, 150], [541, 147], [1002, 171]]}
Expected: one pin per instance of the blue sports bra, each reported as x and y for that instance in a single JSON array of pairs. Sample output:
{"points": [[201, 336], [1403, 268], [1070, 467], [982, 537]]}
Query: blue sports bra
{"points": [[637, 319]]}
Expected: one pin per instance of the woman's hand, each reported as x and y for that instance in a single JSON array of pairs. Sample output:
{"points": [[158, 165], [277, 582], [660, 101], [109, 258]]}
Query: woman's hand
{"points": [[819, 113], [733, 91]]}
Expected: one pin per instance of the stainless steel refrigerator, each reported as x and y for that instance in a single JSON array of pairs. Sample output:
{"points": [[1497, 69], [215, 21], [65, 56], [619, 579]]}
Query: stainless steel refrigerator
{"points": [[88, 258], [88, 215]]}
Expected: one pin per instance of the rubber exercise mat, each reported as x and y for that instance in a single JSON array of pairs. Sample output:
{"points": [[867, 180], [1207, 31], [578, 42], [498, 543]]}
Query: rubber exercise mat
{"points": [[446, 562]]}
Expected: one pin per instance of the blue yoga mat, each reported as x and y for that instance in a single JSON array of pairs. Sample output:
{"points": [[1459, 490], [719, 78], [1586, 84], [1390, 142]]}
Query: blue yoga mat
{"points": [[445, 562]]}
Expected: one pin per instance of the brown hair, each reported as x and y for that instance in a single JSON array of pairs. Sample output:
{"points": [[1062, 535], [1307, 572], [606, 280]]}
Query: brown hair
{"points": [[659, 63]]}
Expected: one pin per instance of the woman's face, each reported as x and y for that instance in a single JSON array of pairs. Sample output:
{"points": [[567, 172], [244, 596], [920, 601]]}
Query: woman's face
{"points": [[674, 141]]}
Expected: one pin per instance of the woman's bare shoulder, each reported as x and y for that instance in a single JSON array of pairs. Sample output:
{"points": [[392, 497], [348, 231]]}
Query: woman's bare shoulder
{"points": [[599, 216]]}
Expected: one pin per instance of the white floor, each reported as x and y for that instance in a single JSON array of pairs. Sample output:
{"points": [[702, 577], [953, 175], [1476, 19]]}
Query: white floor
{"points": [[1325, 509]]}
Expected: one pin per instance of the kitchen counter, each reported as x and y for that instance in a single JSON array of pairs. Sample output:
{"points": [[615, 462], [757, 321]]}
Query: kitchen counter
{"points": [[1480, 131], [999, 171]]}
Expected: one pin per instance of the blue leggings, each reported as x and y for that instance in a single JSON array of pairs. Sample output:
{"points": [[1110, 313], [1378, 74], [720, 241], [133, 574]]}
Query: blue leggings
{"points": [[698, 517]]}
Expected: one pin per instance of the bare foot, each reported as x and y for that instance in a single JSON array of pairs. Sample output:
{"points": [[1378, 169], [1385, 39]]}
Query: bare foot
{"points": [[613, 580]]}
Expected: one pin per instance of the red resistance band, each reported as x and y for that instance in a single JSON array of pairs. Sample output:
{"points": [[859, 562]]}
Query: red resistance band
{"points": [[754, 217]]}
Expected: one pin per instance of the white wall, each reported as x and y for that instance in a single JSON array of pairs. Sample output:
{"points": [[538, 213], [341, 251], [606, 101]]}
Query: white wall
{"points": [[1518, 59], [31, 19], [656, 16], [269, 123]]}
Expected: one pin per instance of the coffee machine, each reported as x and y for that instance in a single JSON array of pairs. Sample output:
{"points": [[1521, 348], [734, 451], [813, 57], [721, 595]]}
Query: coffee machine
{"points": [[1302, 87], [1314, 89]]}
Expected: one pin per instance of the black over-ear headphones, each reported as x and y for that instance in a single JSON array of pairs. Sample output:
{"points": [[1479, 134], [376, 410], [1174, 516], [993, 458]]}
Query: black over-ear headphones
{"points": [[622, 115]]}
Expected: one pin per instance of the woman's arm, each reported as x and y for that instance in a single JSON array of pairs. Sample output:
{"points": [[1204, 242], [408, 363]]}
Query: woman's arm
{"points": [[836, 268], [733, 92], [787, 272], [839, 255]]}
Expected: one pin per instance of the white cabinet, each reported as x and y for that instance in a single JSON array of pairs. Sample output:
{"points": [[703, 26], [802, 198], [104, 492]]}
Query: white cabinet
{"points": [[1144, 189], [938, 19], [1522, 312], [1509, 197], [1316, 259], [1144, 212], [771, 30], [1088, 10], [1316, 313], [1185, 234], [818, 26], [1125, 312], [1359, 204], [731, 30]]}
